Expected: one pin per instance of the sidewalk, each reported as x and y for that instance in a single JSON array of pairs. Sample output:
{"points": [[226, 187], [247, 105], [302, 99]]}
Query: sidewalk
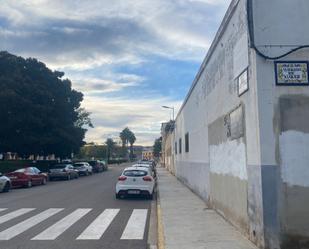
{"points": [[188, 224]]}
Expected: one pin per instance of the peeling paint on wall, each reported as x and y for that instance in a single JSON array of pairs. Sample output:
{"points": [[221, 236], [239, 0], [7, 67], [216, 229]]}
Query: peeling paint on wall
{"points": [[294, 151], [229, 158]]}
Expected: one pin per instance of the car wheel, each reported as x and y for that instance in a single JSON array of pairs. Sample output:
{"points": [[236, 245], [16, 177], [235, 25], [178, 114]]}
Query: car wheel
{"points": [[87, 173], [44, 181], [6, 187], [51, 179], [29, 184], [117, 196], [69, 177]]}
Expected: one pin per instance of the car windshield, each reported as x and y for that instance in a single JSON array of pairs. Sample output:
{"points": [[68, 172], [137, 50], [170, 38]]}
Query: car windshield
{"points": [[92, 163], [135, 173], [36, 170], [59, 166]]}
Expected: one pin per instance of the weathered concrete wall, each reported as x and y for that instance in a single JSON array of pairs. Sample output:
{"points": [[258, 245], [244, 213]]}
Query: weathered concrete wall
{"points": [[294, 160], [169, 155], [195, 175], [216, 165], [284, 138], [228, 168], [254, 169]]}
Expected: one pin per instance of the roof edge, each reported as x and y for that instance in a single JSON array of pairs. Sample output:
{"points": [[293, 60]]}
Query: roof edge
{"points": [[227, 17]]}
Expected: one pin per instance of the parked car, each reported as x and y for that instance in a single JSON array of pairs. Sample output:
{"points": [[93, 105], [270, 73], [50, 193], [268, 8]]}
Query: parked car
{"points": [[144, 162], [135, 181], [154, 163], [5, 183], [105, 165], [83, 168], [62, 171], [27, 177], [147, 164], [98, 166]]}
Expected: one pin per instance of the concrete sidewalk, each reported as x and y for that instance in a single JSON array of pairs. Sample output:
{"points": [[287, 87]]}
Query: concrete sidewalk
{"points": [[188, 224]]}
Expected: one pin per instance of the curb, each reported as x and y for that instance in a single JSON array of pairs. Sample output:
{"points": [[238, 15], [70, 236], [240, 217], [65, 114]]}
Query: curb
{"points": [[152, 233], [161, 242]]}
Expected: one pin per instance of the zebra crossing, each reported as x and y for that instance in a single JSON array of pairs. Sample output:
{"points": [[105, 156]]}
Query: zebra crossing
{"points": [[134, 229]]}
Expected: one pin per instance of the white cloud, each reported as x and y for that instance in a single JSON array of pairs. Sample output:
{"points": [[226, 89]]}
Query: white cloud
{"points": [[175, 29], [143, 115], [89, 39], [97, 85]]}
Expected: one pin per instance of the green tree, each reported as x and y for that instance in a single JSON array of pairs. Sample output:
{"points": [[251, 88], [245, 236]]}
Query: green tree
{"points": [[40, 112], [110, 144], [127, 136], [131, 139], [92, 150], [124, 136], [83, 118], [157, 147]]}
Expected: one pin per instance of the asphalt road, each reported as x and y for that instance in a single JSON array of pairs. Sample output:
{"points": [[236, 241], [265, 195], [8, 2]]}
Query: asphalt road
{"points": [[69, 215]]}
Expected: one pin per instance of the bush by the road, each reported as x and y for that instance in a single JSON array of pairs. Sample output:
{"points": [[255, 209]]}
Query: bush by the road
{"points": [[11, 165], [115, 161]]}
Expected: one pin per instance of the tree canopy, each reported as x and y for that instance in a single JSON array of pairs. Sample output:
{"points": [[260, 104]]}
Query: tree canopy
{"points": [[40, 112], [127, 136], [157, 147], [110, 147]]}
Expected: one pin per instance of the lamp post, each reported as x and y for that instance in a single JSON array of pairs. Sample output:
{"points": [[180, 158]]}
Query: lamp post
{"points": [[171, 108]]}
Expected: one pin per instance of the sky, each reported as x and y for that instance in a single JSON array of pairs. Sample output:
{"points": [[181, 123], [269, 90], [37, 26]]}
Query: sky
{"points": [[128, 57]]}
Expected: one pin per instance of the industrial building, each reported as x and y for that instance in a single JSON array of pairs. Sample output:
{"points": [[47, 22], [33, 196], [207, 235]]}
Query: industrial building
{"points": [[241, 137]]}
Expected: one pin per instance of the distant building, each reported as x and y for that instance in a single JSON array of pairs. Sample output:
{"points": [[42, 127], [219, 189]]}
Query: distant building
{"points": [[167, 155], [138, 151], [147, 153]]}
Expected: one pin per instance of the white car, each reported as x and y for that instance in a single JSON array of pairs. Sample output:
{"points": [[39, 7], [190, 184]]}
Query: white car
{"points": [[5, 183], [147, 165], [135, 181], [142, 165], [83, 168]]}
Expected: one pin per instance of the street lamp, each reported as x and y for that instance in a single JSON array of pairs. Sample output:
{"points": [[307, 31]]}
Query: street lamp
{"points": [[171, 108]]}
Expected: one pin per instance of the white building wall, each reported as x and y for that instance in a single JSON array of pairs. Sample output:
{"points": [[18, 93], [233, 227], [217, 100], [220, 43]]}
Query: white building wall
{"points": [[257, 180], [216, 165]]}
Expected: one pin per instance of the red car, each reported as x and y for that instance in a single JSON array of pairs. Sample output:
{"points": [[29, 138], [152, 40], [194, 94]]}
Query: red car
{"points": [[27, 177]]}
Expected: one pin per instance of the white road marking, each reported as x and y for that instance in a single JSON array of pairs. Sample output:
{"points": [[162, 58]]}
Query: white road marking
{"points": [[61, 226], [2, 209], [28, 223], [14, 214], [136, 225], [96, 229]]}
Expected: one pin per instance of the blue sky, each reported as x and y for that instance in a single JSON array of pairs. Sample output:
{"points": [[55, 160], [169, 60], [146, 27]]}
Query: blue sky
{"points": [[128, 57]]}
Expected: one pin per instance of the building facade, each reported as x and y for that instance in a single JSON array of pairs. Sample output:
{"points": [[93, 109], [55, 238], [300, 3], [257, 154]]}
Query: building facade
{"points": [[167, 155], [241, 138], [147, 153]]}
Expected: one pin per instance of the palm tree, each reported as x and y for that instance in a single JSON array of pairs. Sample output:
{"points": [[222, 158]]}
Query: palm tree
{"points": [[124, 136], [131, 140]]}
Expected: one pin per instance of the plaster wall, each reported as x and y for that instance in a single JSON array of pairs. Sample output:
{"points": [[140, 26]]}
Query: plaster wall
{"points": [[284, 136], [266, 165], [216, 165]]}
